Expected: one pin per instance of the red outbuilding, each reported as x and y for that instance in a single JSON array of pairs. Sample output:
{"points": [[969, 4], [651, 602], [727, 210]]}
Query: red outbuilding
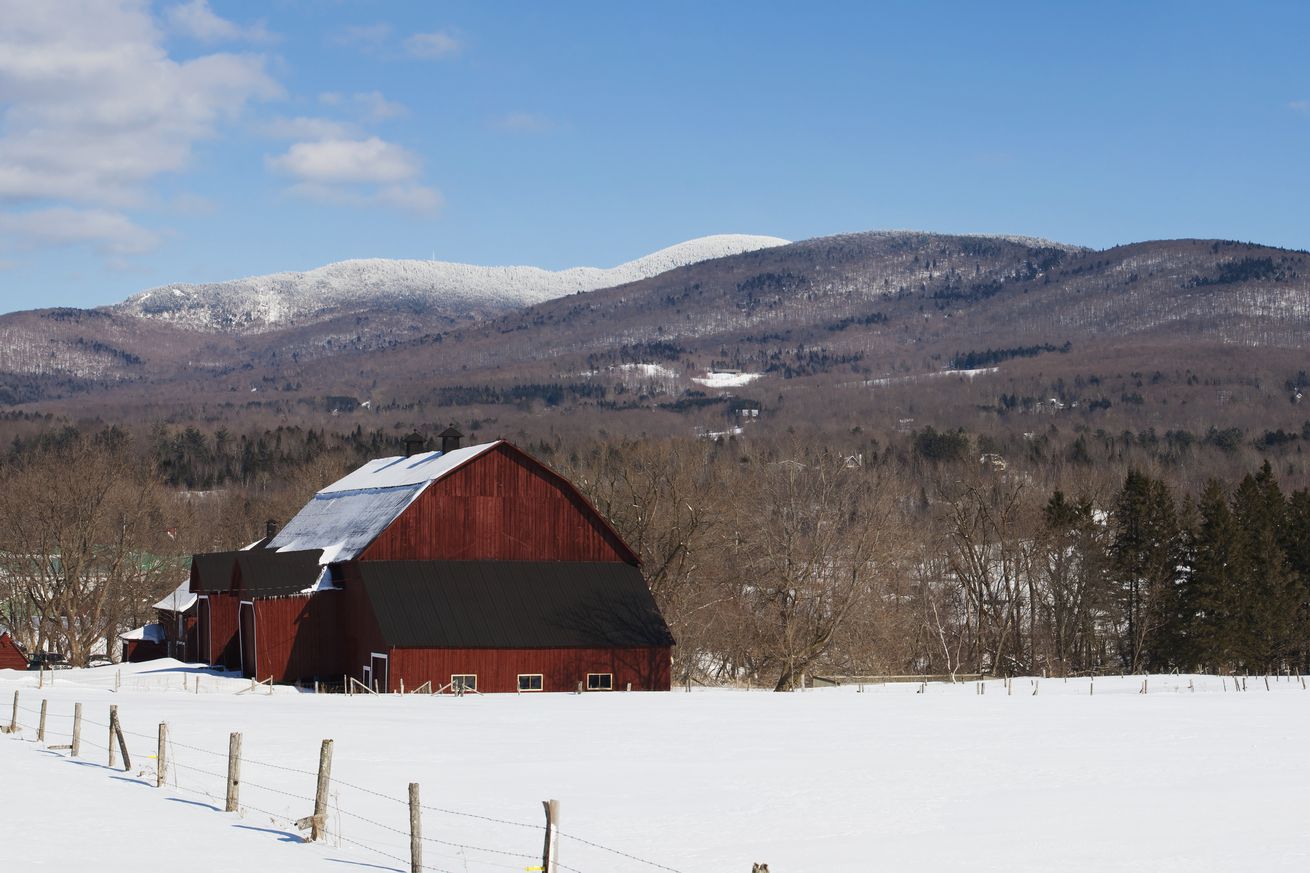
{"points": [[475, 567], [11, 657]]}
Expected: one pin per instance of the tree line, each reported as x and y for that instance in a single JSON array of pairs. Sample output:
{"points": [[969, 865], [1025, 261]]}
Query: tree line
{"points": [[773, 562], [770, 560]]}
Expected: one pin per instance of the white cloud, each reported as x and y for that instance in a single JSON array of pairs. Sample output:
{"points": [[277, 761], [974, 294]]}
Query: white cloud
{"points": [[411, 198], [524, 122], [197, 21], [1299, 106], [187, 203], [357, 172], [432, 46], [368, 37], [371, 105], [302, 127], [381, 39], [348, 160], [95, 110], [111, 233], [407, 197]]}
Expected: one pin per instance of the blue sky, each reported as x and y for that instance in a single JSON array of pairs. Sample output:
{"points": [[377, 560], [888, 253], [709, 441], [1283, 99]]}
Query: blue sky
{"points": [[146, 143]]}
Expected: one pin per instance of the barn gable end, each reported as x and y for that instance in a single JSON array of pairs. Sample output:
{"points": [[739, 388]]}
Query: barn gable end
{"points": [[503, 505]]}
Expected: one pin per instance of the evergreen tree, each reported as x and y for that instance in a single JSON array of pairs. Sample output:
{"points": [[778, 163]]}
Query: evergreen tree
{"points": [[1145, 555], [1208, 596], [1268, 601], [1296, 545]]}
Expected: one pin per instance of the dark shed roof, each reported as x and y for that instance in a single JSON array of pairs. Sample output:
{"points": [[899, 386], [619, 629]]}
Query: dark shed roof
{"points": [[512, 604], [265, 573], [212, 571]]}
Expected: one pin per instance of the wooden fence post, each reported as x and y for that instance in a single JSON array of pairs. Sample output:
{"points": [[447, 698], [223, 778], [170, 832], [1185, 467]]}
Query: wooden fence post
{"points": [[77, 729], [319, 823], [13, 719], [113, 753], [116, 732], [233, 772], [415, 831], [550, 850], [40, 729], [161, 756]]}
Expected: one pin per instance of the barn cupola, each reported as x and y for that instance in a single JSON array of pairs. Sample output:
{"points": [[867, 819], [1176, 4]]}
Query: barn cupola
{"points": [[450, 438], [414, 444]]}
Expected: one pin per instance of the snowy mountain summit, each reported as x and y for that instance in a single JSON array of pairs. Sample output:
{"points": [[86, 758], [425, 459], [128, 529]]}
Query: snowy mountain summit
{"points": [[262, 303]]}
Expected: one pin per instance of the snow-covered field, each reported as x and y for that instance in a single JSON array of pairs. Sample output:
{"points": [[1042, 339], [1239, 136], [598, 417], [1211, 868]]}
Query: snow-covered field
{"points": [[819, 781]]}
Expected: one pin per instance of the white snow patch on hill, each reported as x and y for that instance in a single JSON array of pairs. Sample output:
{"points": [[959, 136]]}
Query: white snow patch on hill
{"points": [[266, 302], [726, 380]]}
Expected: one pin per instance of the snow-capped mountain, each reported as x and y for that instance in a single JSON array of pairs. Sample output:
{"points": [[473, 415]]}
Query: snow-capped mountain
{"points": [[262, 303]]}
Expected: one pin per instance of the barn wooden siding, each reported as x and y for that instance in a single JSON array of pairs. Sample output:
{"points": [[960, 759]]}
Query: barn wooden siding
{"points": [[181, 644], [361, 634], [562, 669], [224, 644], [11, 657], [501, 506], [299, 638], [137, 651]]}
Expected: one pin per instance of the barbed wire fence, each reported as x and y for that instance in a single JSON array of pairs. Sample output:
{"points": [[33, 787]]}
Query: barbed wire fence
{"points": [[495, 843]]}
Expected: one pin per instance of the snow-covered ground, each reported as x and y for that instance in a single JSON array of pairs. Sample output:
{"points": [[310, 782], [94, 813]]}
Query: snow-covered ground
{"points": [[820, 781]]}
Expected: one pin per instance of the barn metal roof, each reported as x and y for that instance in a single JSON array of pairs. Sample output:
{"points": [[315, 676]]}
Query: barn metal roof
{"points": [[267, 573], [213, 571], [512, 604], [343, 518]]}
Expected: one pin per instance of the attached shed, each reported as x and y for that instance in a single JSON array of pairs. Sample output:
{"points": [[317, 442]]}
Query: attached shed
{"points": [[11, 657], [438, 566]]}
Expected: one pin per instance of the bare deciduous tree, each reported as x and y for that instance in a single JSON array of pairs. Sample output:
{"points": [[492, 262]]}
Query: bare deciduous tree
{"points": [[85, 547]]}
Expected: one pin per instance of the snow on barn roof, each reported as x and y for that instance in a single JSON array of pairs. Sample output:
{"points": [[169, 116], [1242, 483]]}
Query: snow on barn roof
{"points": [[180, 600], [343, 518], [153, 633]]}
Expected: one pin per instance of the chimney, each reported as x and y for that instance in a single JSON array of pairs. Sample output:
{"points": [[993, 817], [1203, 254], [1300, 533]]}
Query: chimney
{"points": [[270, 528], [450, 438], [414, 444]]}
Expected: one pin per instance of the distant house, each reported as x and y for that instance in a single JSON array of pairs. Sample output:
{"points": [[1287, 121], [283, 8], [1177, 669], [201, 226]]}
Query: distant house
{"points": [[474, 567], [11, 657]]}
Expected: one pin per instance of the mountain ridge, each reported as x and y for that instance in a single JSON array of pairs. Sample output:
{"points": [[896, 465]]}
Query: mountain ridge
{"points": [[833, 329], [262, 303]]}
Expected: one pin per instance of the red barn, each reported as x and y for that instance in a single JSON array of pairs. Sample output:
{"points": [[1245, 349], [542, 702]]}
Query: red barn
{"points": [[11, 657], [475, 566]]}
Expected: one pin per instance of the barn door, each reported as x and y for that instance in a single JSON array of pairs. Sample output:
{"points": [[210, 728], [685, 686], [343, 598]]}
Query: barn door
{"points": [[246, 628], [378, 669], [202, 654]]}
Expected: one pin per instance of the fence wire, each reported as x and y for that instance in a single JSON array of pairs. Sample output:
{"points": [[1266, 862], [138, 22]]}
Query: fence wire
{"points": [[462, 854]]}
